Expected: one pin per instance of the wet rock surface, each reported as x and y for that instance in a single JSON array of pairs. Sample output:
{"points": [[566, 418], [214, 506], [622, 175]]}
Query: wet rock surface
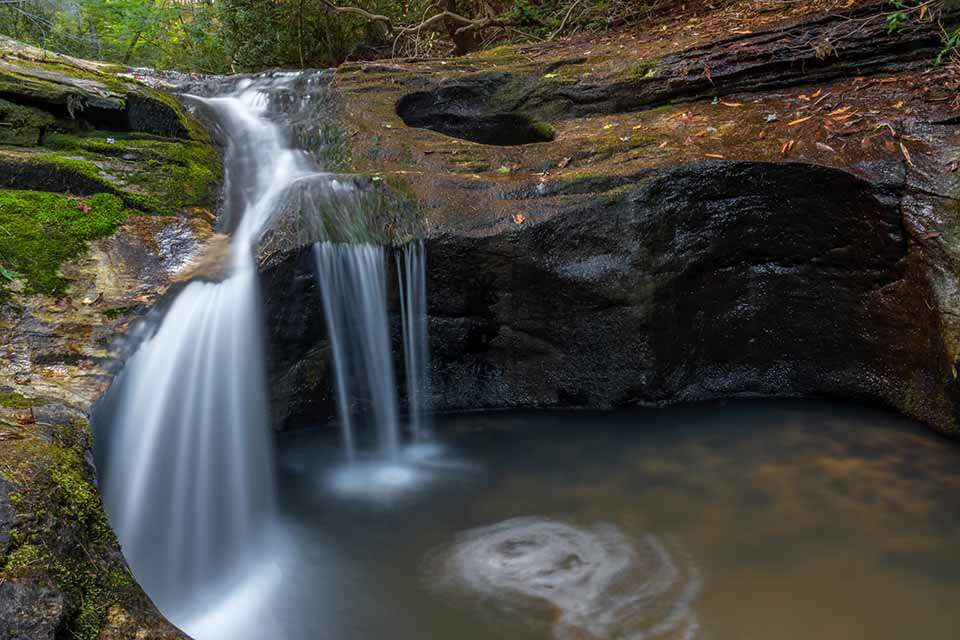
{"points": [[29, 610]]}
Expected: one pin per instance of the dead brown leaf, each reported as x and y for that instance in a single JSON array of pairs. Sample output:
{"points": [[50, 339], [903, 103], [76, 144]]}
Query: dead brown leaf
{"points": [[906, 154], [794, 123]]}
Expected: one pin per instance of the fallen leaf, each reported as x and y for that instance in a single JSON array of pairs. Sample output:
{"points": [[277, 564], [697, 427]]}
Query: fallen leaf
{"points": [[816, 94], [662, 144], [906, 154], [608, 126], [518, 218], [503, 170], [639, 126], [714, 155], [798, 121], [563, 163], [787, 147], [706, 72], [550, 75], [732, 104], [837, 112], [825, 147]]}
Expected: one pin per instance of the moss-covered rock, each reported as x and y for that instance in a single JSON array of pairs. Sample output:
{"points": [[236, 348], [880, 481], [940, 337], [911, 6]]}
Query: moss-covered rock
{"points": [[61, 541], [20, 124], [41, 230]]}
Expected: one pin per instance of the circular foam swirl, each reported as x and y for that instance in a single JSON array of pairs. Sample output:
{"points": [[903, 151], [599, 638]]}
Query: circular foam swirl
{"points": [[596, 581]]}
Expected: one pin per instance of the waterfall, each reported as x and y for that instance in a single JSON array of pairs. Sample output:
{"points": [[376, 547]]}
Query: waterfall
{"points": [[184, 444], [412, 281], [354, 284]]}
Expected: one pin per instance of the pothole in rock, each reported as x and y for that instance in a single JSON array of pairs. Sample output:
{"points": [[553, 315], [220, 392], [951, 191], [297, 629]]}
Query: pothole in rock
{"points": [[465, 117]]}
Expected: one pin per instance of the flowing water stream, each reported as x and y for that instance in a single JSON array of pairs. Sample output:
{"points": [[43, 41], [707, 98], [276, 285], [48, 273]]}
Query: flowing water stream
{"points": [[186, 464], [718, 522]]}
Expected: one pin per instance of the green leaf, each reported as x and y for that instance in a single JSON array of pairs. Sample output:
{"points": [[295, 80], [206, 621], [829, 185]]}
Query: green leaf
{"points": [[9, 274], [504, 170]]}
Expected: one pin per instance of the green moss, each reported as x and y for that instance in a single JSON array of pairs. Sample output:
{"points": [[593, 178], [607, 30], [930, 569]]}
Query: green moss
{"points": [[62, 533], [39, 230], [21, 559], [642, 70], [22, 125], [115, 312], [166, 176], [543, 130], [497, 54], [14, 400]]}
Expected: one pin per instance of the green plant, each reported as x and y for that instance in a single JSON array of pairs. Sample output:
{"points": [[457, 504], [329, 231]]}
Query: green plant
{"points": [[897, 19], [951, 44]]}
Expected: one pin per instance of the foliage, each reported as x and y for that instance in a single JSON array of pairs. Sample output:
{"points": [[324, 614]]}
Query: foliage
{"points": [[951, 45], [218, 36], [232, 35]]}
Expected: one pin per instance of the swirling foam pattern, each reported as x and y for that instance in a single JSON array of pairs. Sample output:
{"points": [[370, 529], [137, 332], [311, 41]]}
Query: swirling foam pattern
{"points": [[596, 582]]}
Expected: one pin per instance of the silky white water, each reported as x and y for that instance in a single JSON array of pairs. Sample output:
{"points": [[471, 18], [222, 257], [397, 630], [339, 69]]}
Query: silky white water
{"points": [[188, 477], [353, 280], [412, 282]]}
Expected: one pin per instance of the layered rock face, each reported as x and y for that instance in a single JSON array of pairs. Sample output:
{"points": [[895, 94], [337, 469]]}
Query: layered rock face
{"points": [[786, 226]]}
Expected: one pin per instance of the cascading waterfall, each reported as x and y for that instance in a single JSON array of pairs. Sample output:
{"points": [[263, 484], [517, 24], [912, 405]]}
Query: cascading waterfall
{"points": [[412, 280], [185, 451], [353, 281]]}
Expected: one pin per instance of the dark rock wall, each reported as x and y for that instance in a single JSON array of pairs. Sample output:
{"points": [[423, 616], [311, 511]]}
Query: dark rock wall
{"points": [[691, 282], [701, 281]]}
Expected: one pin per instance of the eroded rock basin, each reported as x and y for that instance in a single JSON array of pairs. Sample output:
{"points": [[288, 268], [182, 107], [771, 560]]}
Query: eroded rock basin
{"points": [[736, 520]]}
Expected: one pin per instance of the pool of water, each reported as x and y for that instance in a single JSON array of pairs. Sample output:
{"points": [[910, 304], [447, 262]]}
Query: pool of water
{"points": [[729, 521]]}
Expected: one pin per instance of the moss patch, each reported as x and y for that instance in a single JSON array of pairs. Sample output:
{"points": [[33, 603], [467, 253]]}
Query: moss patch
{"points": [[164, 175], [22, 125], [642, 70], [39, 230], [14, 400], [61, 533]]}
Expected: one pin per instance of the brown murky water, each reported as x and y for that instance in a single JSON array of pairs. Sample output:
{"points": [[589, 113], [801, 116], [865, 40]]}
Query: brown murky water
{"points": [[729, 522]]}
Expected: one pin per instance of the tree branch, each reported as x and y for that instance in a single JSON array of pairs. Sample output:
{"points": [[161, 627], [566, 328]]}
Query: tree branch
{"points": [[363, 13], [465, 24]]}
